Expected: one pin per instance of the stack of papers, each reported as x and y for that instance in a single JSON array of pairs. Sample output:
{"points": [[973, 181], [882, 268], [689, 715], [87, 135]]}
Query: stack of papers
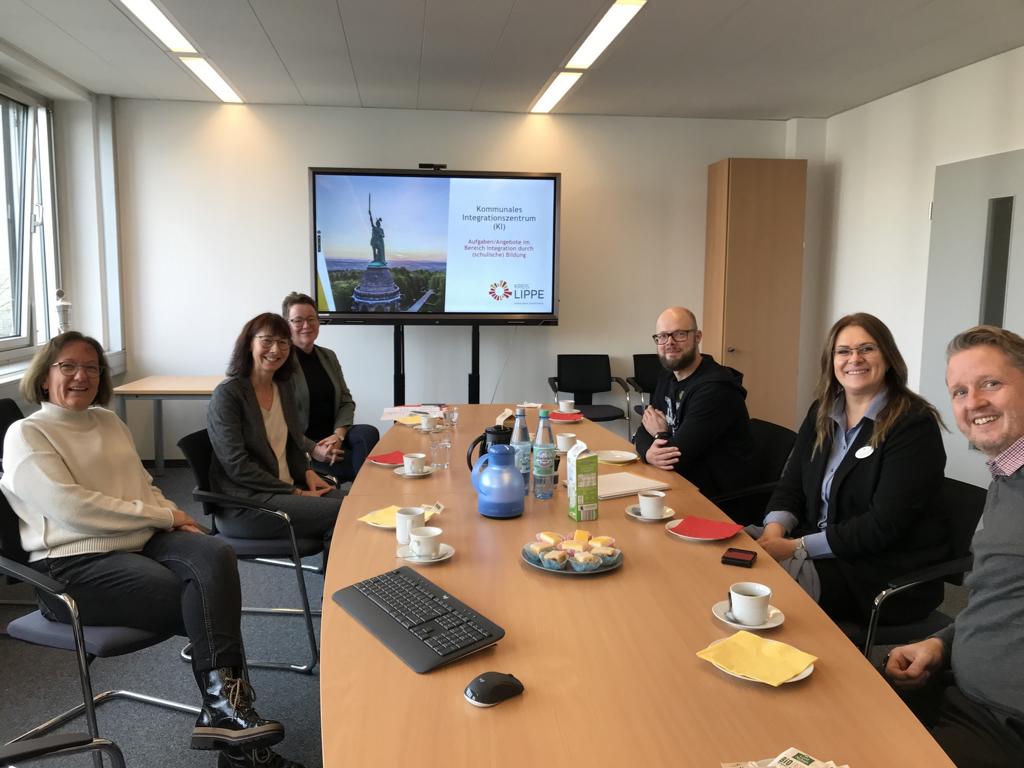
{"points": [[756, 658], [791, 758]]}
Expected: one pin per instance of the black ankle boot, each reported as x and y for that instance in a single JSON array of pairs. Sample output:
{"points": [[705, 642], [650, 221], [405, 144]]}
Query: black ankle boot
{"points": [[227, 719], [258, 757]]}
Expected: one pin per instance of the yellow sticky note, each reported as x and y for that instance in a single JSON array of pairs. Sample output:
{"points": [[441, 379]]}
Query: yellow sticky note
{"points": [[767, 661]]}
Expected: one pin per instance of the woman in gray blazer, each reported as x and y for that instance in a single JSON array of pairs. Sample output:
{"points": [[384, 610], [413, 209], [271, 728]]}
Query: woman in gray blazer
{"points": [[260, 451]]}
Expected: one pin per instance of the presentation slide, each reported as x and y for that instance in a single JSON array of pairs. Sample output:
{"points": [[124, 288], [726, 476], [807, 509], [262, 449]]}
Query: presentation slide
{"points": [[424, 244]]}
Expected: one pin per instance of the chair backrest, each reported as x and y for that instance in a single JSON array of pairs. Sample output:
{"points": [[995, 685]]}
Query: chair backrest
{"points": [[198, 452], [10, 536], [9, 413], [962, 504], [646, 370], [772, 445], [583, 375]]}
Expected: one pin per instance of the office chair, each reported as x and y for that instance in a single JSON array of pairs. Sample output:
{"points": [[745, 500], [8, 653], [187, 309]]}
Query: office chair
{"points": [[60, 745], [88, 642], [199, 453], [10, 413], [584, 375], [646, 371], [962, 504], [772, 445]]}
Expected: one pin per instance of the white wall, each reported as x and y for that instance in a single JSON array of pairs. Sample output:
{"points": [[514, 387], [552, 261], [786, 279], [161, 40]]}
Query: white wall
{"points": [[215, 228], [883, 157]]}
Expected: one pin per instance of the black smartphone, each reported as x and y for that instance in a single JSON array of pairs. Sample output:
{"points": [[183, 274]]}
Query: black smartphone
{"points": [[742, 557]]}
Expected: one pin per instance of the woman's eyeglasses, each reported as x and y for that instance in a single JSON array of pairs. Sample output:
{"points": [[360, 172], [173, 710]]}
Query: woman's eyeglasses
{"points": [[69, 369], [266, 342], [844, 353]]}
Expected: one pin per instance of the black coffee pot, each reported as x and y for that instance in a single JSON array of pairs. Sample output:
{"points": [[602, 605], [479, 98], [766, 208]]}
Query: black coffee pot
{"points": [[495, 435]]}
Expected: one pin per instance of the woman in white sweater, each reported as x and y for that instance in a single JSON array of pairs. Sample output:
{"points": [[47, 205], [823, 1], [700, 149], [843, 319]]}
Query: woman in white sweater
{"points": [[91, 517]]}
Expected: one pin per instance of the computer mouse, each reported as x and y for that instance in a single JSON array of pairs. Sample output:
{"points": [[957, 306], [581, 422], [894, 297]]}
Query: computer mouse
{"points": [[490, 688]]}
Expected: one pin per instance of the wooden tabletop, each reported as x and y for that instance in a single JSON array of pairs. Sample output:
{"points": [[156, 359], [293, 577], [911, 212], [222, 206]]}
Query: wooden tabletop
{"points": [[608, 661], [169, 386]]}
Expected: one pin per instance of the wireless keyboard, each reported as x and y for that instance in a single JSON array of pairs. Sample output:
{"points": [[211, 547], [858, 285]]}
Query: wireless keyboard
{"points": [[417, 620]]}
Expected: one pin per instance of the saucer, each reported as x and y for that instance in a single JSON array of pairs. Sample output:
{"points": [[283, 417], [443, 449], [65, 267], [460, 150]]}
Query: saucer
{"points": [[633, 511], [567, 413], [427, 472], [616, 457], [721, 612], [429, 430], [405, 552]]}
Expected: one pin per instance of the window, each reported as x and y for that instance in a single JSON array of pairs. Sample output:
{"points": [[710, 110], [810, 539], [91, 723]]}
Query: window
{"points": [[27, 252]]}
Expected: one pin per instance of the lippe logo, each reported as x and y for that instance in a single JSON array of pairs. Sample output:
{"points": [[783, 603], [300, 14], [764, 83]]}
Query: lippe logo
{"points": [[499, 291]]}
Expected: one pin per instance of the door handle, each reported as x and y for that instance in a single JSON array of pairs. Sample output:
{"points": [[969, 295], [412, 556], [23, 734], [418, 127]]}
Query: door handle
{"points": [[730, 349]]}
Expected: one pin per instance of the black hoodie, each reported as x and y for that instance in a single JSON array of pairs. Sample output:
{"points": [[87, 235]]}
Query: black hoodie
{"points": [[707, 415]]}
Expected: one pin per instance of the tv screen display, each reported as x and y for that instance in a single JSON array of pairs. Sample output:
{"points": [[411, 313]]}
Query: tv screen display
{"points": [[440, 247]]}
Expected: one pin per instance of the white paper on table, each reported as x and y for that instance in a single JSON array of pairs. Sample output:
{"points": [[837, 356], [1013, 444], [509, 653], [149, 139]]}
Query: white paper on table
{"points": [[401, 411]]}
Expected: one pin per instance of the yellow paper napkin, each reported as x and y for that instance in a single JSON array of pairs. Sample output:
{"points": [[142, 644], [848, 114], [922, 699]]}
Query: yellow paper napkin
{"points": [[767, 661], [386, 517], [408, 419]]}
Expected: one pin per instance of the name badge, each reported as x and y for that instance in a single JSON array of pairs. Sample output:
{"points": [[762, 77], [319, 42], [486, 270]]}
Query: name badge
{"points": [[864, 451]]}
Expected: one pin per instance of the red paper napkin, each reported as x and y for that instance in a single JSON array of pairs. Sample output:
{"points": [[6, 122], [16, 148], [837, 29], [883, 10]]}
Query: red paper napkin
{"points": [[558, 416], [701, 528], [395, 457]]}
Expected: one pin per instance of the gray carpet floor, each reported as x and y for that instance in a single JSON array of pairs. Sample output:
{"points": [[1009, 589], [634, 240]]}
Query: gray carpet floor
{"points": [[38, 683]]}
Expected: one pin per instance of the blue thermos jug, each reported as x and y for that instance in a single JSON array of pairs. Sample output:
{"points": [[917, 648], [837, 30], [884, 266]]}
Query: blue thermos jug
{"points": [[498, 483]]}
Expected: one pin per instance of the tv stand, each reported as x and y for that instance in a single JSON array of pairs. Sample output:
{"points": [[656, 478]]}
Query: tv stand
{"points": [[399, 376]]}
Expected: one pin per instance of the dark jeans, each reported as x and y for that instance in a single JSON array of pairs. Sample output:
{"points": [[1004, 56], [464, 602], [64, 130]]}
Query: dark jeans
{"points": [[312, 517], [180, 583], [971, 734], [359, 441]]}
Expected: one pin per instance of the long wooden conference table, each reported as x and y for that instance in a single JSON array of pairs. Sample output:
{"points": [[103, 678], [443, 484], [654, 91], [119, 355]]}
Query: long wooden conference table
{"points": [[608, 661]]}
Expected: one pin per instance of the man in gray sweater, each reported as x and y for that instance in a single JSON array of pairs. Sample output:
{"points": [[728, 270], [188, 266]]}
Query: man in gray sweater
{"points": [[981, 718]]}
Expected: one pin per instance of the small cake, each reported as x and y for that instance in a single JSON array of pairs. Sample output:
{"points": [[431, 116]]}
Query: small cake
{"points": [[571, 545], [605, 552], [539, 547], [580, 535], [549, 537], [554, 559], [602, 541], [587, 558]]}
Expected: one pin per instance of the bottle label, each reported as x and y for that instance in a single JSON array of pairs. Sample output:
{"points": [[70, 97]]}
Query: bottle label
{"points": [[543, 461]]}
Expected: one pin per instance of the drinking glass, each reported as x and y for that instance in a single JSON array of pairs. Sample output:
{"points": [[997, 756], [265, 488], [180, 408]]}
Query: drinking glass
{"points": [[440, 449]]}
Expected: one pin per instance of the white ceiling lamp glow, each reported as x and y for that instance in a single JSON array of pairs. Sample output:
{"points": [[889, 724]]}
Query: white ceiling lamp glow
{"points": [[558, 88], [211, 79], [155, 21], [614, 21]]}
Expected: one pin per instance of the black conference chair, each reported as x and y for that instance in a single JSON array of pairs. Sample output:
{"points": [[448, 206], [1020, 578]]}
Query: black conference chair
{"points": [[199, 454], [87, 642], [962, 504], [60, 745], [772, 445], [583, 376], [9, 413], [646, 371]]}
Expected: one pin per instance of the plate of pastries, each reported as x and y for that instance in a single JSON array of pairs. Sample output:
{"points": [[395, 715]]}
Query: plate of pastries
{"points": [[572, 554]]}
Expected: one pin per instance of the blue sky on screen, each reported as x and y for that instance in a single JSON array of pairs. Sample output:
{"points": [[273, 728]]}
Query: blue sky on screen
{"points": [[414, 210]]}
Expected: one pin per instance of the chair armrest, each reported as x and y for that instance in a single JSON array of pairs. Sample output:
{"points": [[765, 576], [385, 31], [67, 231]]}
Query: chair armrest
{"points": [[224, 500], [742, 493], [553, 383], [631, 380], [31, 576], [622, 383], [933, 572], [42, 746]]}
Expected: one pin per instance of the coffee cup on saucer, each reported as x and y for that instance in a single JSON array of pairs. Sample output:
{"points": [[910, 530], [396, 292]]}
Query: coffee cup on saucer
{"points": [[425, 542], [413, 463], [427, 421], [652, 504], [567, 406], [565, 441], [749, 603], [406, 519]]}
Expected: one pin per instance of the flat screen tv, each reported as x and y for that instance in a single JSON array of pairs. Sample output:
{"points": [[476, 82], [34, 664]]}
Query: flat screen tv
{"points": [[435, 247]]}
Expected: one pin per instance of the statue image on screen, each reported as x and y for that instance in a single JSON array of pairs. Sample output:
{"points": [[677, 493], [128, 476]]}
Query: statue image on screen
{"points": [[406, 275]]}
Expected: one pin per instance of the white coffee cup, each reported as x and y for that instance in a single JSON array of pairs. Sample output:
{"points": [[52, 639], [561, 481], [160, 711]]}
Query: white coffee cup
{"points": [[413, 463], [565, 441], [425, 541], [427, 422], [652, 504], [748, 603], [566, 406], [406, 519]]}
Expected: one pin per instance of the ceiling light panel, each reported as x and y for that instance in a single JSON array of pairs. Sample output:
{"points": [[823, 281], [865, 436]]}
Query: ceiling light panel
{"points": [[614, 21], [153, 19], [558, 88], [211, 78]]}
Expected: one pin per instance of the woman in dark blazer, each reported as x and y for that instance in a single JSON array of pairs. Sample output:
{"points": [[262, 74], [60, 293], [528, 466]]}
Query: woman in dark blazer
{"points": [[855, 505], [260, 451]]}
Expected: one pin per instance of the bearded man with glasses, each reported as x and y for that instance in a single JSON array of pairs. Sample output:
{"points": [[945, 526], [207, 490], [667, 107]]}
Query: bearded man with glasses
{"points": [[697, 423]]}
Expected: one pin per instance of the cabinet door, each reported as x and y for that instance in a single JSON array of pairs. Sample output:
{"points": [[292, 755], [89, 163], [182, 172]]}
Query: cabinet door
{"points": [[763, 274]]}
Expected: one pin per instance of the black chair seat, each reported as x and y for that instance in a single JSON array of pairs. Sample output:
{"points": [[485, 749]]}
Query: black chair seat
{"points": [[103, 642], [250, 548], [601, 412]]}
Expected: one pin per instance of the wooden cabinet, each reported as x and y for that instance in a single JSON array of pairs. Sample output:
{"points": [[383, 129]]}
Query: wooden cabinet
{"points": [[753, 268]]}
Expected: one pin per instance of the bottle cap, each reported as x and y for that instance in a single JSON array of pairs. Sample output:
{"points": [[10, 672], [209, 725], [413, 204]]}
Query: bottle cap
{"points": [[543, 413]]}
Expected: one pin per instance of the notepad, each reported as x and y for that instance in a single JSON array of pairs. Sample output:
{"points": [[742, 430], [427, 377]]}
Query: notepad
{"points": [[618, 484]]}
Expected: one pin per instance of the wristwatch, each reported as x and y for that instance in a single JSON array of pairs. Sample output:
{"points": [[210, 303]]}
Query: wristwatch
{"points": [[800, 553]]}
